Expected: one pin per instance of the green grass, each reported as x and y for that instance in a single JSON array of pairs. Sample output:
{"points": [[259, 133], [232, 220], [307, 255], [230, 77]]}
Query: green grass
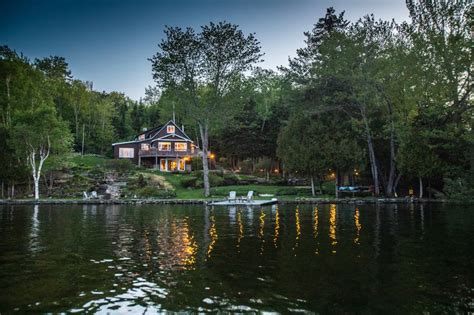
{"points": [[241, 190], [88, 160]]}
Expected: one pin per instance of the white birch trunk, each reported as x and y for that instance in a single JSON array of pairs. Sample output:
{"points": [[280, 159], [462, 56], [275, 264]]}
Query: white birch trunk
{"points": [[36, 169]]}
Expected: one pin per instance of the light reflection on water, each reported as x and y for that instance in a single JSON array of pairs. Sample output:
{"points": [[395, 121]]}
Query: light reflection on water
{"points": [[190, 258]]}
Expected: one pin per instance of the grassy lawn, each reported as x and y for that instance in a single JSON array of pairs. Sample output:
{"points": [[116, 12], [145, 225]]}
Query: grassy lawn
{"points": [[278, 191], [88, 161]]}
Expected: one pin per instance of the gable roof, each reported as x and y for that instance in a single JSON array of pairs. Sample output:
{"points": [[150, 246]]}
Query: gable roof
{"points": [[152, 133]]}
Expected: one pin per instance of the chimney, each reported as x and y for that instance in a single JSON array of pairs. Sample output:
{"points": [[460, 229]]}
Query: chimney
{"points": [[182, 128]]}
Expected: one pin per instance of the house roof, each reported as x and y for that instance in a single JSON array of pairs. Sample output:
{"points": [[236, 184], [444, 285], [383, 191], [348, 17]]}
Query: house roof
{"points": [[152, 133]]}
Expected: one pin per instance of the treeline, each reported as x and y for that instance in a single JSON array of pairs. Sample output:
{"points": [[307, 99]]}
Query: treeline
{"points": [[46, 113], [392, 100], [386, 104], [383, 104]]}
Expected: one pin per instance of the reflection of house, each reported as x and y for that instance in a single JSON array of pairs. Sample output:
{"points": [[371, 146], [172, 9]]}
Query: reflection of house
{"points": [[166, 147]]}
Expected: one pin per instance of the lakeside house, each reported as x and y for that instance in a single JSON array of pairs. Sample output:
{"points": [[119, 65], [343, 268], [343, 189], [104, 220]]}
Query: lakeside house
{"points": [[166, 147]]}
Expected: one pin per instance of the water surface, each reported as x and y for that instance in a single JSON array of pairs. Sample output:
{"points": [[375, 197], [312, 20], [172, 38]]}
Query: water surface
{"points": [[154, 258]]}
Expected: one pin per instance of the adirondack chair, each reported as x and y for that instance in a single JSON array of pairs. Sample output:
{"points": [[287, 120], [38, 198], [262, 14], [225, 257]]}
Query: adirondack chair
{"points": [[94, 195], [232, 196], [86, 197], [249, 196]]}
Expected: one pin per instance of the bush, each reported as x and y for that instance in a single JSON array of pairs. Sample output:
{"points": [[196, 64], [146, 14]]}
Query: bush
{"points": [[196, 163], [245, 167], [293, 191], [458, 189], [122, 166], [148, 192], [215, 180], [141, 181], [230, 179], [188, 182]]}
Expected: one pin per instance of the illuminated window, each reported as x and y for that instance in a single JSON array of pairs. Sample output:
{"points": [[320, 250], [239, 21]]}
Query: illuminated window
{"points": [[127, 153], [164, 146], [182, 165], [180, 146], [170, 129], [145, 146]]}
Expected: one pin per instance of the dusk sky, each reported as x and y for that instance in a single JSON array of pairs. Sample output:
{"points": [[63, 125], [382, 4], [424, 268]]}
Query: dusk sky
{"points": [[108, 42]]}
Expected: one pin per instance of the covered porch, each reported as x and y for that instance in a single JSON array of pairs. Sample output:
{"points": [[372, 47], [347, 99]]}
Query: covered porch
{"points": [[166, 164]]}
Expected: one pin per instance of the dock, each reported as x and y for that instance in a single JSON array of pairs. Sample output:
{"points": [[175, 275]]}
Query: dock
{"points": [[244, 202]]}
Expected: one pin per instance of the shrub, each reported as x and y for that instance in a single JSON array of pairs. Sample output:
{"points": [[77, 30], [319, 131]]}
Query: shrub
{"points": [[196, 163], [245, 167], [148, 192], [141, 181], [122, 166], [293, 191], [458, 189], [188, 182], [230, 179]]}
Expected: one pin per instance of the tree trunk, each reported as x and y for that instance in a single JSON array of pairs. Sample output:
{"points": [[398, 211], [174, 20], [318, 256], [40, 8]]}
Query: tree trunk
{"points": [[320, 185], [13, 191], [336, 183], [391, 176], [395, 185], [312, 186], [373, 160], [203, 129], [82, 147], [421, 186], [36, 180], [3, 195]]}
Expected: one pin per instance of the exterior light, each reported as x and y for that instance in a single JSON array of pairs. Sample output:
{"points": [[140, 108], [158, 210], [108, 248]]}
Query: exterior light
{"points": [[212, 155], [277, 170]]}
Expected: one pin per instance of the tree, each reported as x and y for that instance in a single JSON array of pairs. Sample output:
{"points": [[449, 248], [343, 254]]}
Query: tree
{"points": [[37, 133], [314, 144], [54, 67], [203, 67]]}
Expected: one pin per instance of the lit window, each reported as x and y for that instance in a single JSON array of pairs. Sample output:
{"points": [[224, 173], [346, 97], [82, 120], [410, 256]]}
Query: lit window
{"points": [[180, 146], [127, 153], [170, 129], [164, 146], [145, 146]]}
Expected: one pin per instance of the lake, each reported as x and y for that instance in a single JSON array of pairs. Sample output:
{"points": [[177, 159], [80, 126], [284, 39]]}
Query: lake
{"points": [[287, 258]]}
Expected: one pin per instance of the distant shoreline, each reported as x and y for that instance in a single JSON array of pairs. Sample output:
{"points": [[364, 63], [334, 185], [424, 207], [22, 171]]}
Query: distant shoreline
{"points": [[208, 201]]}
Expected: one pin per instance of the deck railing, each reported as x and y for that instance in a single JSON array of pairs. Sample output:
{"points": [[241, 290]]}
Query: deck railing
{"points": [[155, 152]]}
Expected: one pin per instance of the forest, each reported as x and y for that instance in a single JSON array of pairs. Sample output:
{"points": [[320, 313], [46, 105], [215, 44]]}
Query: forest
{"points": [[384, 104]]}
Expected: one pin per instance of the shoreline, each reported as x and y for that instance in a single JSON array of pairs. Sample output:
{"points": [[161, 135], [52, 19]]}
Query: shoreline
{"points": [[208, 201]]}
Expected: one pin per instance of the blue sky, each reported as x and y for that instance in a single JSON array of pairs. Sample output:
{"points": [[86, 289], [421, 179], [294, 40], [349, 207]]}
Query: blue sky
{"points": [[109, 41]]}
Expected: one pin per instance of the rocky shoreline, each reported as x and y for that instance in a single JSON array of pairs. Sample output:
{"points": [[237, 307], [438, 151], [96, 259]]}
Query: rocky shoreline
{"points": [[208, 201]]}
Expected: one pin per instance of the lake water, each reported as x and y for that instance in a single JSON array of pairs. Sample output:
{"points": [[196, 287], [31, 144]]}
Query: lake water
{"points": [[155, 258]]}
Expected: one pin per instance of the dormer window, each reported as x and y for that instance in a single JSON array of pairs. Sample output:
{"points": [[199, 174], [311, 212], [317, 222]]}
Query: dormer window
{"points": [[141, 137], [170, 129]]}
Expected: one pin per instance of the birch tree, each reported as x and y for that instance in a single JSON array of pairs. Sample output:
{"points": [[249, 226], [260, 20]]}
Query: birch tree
{"points": [[37, 134]]}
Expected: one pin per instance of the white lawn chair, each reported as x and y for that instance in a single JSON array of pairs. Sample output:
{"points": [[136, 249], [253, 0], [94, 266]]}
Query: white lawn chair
{"points": [[94, 195], [232, 196], [249, 196], [86, 197]]}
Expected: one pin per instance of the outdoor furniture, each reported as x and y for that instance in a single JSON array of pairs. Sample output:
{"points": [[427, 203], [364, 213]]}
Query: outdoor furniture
{"points": [[86, 197], [94, 195], [232, 196], [249, 196]]}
